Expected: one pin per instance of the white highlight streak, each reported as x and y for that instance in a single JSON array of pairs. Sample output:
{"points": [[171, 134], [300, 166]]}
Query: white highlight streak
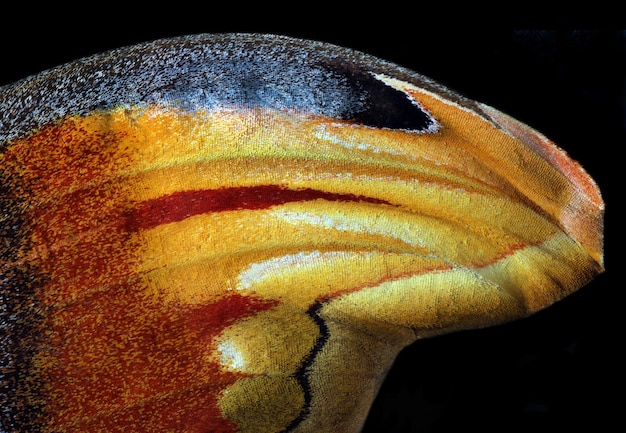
{"points": [[230, 356], [323, 134], [376, 226], [257, 272]]}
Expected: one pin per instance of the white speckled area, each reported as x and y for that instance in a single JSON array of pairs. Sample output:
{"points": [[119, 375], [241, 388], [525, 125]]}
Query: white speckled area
{"points": [[208, 71]]}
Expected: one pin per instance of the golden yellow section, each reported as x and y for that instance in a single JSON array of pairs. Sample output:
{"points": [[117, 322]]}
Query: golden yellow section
{"points": [[468, 163], [540, 275], [431, 303], [465, 213], [357, 356], [276, 342], [457, 228], [536, 168], [198, 259], [206, 254], [177, 146], [176, 150], [272, 342], [262, 404], [374, 320]]}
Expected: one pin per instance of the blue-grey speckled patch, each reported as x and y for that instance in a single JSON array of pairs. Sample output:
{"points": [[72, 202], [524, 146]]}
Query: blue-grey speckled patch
{"points": [[212, 71]]}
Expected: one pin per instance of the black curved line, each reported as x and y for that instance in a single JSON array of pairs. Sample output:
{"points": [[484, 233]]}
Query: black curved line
{"points": [[302, 375]]}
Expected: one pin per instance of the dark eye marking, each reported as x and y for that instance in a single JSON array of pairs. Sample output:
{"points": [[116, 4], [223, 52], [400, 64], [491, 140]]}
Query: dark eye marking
{"points": [[382, 106]]}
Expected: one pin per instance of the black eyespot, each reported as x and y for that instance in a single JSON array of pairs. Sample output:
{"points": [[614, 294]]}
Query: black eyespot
{"points": [[385, 107], [209, 72]]}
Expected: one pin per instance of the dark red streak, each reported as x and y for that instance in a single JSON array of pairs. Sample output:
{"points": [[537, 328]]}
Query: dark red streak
{"points": [[184, 204]]}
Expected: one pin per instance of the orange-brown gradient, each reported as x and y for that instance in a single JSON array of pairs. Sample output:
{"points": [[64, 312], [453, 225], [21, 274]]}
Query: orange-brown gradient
{"points": [[222, 271], [114, 359]]}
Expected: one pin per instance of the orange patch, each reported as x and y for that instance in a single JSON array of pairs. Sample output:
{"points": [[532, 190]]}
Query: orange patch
{"points": [[112, 357]]}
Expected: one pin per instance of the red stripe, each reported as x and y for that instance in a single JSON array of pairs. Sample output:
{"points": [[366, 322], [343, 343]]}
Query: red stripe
{"points": [[184, 204]]}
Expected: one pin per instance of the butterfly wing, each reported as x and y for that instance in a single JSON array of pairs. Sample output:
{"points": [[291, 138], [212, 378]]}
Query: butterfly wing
{"points": [[238, 233]]}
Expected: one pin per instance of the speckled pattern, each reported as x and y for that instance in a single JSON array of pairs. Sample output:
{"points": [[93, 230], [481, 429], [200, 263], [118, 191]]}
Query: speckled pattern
{"points": [[239, 233], [206, 71]]}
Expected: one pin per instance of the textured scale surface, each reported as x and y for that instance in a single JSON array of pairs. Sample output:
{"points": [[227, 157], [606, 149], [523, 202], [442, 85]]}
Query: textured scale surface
{"points": [[239, 233]]}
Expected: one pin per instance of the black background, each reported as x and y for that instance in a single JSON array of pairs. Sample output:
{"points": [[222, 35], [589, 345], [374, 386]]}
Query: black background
{"points": [[560, 369]]}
